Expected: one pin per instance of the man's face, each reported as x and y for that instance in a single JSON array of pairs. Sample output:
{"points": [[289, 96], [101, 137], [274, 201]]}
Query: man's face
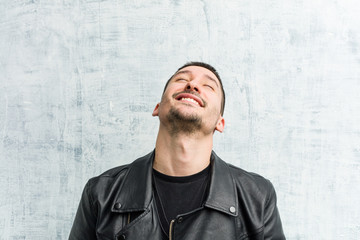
{"points": [[192, 100]]}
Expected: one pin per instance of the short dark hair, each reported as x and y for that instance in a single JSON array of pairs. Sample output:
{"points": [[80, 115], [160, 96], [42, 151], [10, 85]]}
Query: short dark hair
{"points": [[210, 68]]}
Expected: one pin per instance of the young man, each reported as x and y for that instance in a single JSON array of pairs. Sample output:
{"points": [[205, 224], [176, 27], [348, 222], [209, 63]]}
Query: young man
{"points": [[182, 190]]}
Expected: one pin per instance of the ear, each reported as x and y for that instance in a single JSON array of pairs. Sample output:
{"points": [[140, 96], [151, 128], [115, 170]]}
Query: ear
{"points": [[220, 124], [156, 110]]}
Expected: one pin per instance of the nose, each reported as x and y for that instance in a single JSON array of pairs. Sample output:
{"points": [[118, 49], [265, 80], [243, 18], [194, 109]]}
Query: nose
{"points": [[191, 85]]}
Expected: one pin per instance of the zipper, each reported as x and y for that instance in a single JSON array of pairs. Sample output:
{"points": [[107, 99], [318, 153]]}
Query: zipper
{"points": [[170, 229]]}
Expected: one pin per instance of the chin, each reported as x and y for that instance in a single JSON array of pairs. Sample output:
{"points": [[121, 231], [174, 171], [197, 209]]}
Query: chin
{"points": [[184, 114], [183, 122], [185, 117]]}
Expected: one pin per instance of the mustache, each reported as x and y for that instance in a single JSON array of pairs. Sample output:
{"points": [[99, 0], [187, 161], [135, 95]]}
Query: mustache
{"points": [[193, 93]]}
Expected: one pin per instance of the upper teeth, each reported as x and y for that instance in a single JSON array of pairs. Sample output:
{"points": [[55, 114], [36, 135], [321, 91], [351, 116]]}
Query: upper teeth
{"points": [[190, 100]]}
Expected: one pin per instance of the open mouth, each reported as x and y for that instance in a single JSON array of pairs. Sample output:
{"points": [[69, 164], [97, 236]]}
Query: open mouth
{"points": [[190, 98]]}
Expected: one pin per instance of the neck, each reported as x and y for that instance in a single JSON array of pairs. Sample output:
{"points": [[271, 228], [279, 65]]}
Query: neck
{"points": [[182, 154]]}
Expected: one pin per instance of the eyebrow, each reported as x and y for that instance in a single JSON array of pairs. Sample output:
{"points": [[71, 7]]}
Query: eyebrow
{"points": [[189, 72]]}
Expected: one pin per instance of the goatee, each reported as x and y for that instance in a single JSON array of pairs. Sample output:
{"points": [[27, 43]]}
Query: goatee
{"points": [[185, 124]]}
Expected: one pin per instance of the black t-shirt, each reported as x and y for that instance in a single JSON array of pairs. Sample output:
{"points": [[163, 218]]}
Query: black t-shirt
{"points": [[179, 195]]}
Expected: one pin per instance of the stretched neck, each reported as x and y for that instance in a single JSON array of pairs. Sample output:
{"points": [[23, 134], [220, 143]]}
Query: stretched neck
{"points": [[182, 154]]}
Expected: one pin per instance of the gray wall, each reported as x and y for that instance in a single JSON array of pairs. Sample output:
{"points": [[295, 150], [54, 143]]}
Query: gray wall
{"points": [[79, 80]]}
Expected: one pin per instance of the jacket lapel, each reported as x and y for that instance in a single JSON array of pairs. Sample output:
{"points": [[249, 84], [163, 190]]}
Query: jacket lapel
{"points": [[222, 193], [135, 193]]}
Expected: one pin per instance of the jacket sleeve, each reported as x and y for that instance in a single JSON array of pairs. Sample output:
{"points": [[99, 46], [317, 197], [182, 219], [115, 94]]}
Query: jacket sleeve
{"points": [[272, 223], [85, 219]]}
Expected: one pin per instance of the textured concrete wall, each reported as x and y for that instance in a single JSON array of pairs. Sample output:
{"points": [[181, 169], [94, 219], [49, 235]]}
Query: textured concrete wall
{"points": [[79, 80]]}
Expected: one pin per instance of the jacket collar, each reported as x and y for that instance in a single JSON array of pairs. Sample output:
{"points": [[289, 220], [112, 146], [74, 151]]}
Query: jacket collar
{"points": [[222, 193], [135, 192]]}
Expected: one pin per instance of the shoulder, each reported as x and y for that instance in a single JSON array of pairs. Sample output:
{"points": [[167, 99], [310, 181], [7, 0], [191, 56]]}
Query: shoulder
{"points": [[245, 177], [111, 180], [252, 185], [248, 183], [120, 171], [112, 173], [103, 184]]}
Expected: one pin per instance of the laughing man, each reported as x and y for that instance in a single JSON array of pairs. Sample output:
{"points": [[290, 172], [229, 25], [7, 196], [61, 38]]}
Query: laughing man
{"points": [[181, 190]]}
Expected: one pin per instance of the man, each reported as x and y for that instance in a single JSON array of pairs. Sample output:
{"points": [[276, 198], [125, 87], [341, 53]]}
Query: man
{"points": [[182, 190]]}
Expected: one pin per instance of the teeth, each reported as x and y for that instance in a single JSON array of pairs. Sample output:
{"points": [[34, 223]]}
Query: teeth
{"points": [[190, 100]]}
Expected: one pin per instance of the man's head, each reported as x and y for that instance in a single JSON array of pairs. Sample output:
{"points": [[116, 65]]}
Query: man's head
{"points": [[210, 68], [193, 100]]}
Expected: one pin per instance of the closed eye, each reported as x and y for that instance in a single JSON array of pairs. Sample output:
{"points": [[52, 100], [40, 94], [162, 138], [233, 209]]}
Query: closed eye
{"points": [[209, 86], [181, 80]]}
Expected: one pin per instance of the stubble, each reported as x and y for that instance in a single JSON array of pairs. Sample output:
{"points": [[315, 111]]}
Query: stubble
{"points": [[180, 123]]}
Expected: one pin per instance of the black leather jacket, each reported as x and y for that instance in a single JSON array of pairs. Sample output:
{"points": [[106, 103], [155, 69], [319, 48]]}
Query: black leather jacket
{"points": [[119, 204]]}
